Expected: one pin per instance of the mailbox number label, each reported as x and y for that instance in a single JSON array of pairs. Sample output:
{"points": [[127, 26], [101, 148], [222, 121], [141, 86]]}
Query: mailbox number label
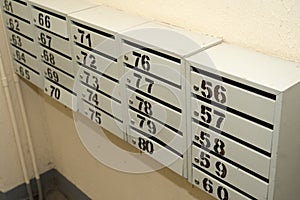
{"points": [[89, 58], [208, 113], [24, 72], [210, 91], [222, 193], [48, 57], [44, 20], [95, 116], [13, 24], [142, 60], [52, 75], [45, 40], [138, 81], [146, 145], [20, 56], [8, 6], [16, 40], [91, 80], [148, 122], [55, 92], [85, 37], [220, 167], [219, 146]]}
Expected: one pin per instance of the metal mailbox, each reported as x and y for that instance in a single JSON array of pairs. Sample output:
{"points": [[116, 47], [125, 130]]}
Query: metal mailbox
{"points": [[240, 123], [52, 34], [96, 61], [19, 31], [155, 67]]}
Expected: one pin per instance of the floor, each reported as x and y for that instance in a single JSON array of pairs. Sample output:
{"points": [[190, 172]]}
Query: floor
{"points": [[54, 185], [55, 195]]}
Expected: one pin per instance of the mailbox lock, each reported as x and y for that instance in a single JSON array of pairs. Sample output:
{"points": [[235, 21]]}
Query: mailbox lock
{"points": [[134, 141], [196, 88]]}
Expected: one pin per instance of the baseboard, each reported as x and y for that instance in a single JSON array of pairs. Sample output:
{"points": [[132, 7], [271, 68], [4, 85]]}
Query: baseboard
{"points": [[51, 180], [68, 188]]}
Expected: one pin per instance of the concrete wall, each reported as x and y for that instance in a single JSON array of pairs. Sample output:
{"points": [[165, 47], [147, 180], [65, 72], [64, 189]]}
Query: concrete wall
{"points": [[268, 26]]}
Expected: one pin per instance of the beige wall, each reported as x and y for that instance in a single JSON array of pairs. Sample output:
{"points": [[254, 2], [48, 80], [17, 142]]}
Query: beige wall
{"points": [[269, 26], [10, 169]]}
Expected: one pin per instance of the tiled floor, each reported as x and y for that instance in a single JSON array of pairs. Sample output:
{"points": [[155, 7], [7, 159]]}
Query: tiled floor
{"points": [[55, 195]]}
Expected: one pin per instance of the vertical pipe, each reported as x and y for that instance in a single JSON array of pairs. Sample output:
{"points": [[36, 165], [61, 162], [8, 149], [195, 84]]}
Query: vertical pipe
{"points": [[28, 136], [15, 129]]}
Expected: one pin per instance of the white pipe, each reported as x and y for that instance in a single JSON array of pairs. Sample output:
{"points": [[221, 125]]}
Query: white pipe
{"points": [[15, 129], [28, 136]]}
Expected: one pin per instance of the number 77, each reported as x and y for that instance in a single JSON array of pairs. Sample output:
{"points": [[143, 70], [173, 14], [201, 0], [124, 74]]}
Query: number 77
{"points": [[138, 82]]}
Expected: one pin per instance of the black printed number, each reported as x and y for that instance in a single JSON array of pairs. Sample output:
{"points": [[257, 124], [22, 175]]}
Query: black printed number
{"points": [[52, 75], [85, 37], [44, 20], [145, 106], [142, 60], [204, 139], [204, 160], [20, 56], [221, 170], [48, 57], [95, 116], [24, 72], [218, 91], [138, 82], [207, 185], [55, 92], [91, 80], [16, 40], [93, 97], [146, 145], [219, 145], [8, 6], [220, 167], [206, 115], [149, 123], [89, 58], [13, 24], [45, 39], [222, 193]]}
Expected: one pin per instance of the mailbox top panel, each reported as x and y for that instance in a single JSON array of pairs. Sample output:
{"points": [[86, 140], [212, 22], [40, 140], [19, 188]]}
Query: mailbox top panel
{"points": [[110, 19], [269, 73], [168, 38], [63, 7]]}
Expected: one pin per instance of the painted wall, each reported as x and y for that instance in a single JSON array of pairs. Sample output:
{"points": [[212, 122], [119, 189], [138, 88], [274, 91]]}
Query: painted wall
{"points": [[268, 26], [10, 168]]}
